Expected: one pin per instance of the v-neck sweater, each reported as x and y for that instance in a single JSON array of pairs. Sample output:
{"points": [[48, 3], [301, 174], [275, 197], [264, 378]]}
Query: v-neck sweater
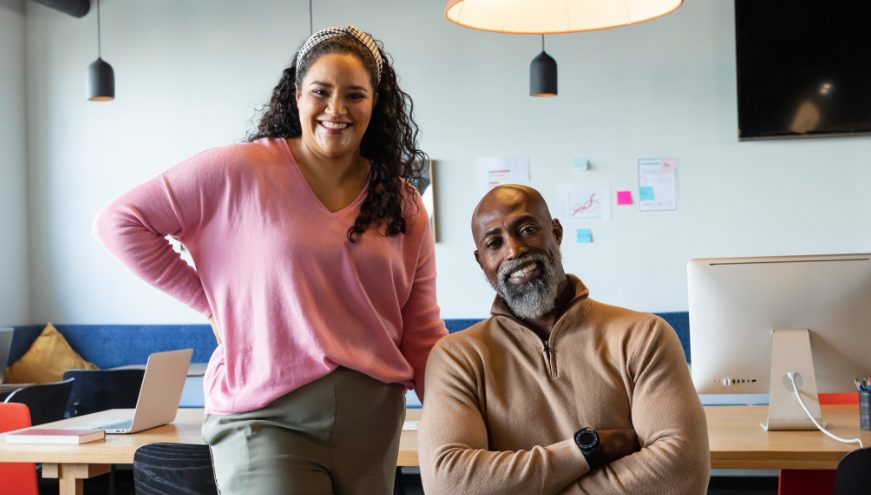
{"points": [[503, 405], [293, 297]]}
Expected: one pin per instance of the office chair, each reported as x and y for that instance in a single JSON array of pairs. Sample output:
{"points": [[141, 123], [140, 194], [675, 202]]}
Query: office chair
{"points": [[47, 401], [16, 478], [853, 476], [99, 390], [173, 469]]}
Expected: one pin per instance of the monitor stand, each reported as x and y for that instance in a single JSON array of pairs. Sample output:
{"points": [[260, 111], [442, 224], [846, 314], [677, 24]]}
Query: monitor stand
{"points": [[791, 351]]}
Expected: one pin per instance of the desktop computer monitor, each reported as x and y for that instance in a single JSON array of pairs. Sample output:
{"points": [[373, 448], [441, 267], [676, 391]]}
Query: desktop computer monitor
{"points": [[752, 320]]}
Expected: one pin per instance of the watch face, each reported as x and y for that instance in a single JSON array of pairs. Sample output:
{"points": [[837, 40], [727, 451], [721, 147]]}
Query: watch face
{"points": [[587, 438]]}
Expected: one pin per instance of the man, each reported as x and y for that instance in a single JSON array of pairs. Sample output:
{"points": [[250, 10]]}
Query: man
{"points": [[556, 392]]}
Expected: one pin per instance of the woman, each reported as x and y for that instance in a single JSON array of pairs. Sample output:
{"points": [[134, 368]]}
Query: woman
{"points": [[314, 263]]}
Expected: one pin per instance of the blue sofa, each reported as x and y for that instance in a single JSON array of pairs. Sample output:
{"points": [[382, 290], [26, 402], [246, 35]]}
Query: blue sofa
{"points": [[108, 346]]}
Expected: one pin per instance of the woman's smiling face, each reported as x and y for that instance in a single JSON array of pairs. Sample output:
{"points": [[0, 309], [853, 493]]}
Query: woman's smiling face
{"points": [[335, 102]]}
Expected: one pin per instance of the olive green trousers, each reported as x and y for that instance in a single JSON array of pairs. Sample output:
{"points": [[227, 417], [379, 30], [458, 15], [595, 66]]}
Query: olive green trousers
{"points": [[337, 435]]}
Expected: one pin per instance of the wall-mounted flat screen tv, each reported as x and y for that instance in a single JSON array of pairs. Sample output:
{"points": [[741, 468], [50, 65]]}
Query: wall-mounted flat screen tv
{"points": [[804, 68]]}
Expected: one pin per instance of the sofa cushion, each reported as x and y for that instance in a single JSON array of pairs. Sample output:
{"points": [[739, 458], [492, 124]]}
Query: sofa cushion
{"points": [[46, 360]]}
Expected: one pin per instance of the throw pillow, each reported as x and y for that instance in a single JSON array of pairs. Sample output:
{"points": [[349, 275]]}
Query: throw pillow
{"points": [[46, 360]]}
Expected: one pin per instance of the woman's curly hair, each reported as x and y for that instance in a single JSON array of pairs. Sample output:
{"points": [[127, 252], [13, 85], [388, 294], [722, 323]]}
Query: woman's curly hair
{"points": [[389, 143]]}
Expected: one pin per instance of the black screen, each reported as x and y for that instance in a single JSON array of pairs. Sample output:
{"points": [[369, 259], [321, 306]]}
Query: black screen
{"points": [[804, 67]]}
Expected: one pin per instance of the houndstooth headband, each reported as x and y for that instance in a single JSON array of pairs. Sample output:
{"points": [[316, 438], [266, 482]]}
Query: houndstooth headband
{"points": [[332, 32]]}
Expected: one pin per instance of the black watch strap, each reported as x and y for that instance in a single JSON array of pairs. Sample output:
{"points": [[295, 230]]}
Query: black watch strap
{"points": [[587, 440]]}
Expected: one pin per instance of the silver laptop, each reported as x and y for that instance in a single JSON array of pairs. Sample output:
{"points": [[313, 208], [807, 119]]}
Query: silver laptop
{"points": [[159, 396], [5, 347]]}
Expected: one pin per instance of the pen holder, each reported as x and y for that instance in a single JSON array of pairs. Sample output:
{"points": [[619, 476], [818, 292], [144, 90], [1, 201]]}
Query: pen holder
{"points": [[865, 410]]}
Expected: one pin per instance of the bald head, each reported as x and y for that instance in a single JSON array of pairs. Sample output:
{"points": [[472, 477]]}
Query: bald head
{"points": [[511, 196]]}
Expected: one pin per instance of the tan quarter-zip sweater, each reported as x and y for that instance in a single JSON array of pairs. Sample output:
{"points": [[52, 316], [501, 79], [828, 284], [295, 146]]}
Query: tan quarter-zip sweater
{"points": [[502, 406]]}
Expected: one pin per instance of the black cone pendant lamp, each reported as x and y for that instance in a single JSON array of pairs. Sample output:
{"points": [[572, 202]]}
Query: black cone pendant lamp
{"points": [[101, 77], [542, 74]]}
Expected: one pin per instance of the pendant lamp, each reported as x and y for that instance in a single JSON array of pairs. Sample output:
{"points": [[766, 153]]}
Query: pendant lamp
{"points": [[101, 76], [542, 74], [550, 17]]}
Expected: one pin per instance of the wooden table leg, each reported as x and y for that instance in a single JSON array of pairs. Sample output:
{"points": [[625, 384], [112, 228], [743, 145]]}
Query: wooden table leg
{"points": [[71, 476], [71, 486]]}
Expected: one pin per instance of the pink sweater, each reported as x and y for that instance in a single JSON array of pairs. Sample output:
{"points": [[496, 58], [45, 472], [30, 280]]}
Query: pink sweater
{"points": [[294, 299]]}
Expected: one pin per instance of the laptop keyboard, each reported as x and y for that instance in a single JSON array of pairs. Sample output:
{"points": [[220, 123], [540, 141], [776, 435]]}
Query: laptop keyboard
{"points": [[123, 425]]}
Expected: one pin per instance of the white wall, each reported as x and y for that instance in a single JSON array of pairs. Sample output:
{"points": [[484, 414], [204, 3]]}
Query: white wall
{"points": [[189, 74], [15, 286]]}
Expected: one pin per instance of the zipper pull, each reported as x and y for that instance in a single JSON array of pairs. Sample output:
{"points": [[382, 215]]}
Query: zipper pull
{"points": [[547, 362]]}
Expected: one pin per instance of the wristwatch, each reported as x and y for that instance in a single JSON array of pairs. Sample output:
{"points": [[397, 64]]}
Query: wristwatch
{"points": [[588, 441]]}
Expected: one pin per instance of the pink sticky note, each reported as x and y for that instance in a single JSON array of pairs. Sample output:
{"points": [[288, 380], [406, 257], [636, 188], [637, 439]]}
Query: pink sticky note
{"points": [[624, 197]]}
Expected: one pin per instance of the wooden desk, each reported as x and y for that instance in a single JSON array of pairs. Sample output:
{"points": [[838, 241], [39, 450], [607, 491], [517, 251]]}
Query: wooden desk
{"points": [[738, 441], [73, 463], [736, 437]]}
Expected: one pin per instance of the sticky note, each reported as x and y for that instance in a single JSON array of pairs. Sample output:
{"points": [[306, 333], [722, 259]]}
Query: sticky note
{"points": [[581, 164], [624, 197], [585, 236], [645, 193]]}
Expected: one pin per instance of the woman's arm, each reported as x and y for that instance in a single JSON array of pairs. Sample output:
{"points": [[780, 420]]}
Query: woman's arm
{"points": [[422, 324], [134, 226]]}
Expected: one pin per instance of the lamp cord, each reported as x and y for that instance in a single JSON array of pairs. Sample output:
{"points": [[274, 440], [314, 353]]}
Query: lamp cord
{"points": [[542, 41], [311, 30], [99, 41], [791, 376]]}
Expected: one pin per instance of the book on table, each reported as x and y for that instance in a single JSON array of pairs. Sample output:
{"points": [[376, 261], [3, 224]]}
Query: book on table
{"points": [[55, 435]]}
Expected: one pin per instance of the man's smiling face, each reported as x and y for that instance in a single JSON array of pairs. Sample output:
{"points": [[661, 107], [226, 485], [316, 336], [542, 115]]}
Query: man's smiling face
{"points": [[517, 246]]}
